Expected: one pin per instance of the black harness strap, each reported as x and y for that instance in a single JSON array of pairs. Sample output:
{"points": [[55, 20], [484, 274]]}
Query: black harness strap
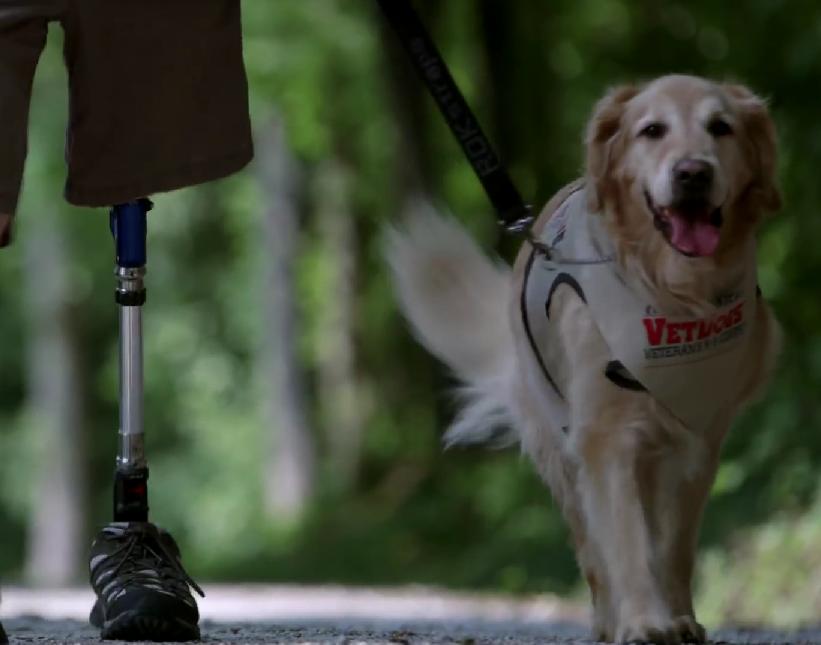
{"points": [[512, 211], [620, 376]]}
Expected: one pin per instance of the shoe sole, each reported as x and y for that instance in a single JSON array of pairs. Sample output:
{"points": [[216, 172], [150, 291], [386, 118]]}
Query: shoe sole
{"points": [[132, 626]]}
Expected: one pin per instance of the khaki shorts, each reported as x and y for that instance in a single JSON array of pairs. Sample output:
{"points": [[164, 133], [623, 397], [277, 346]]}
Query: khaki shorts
{"points": [[158, 94]]}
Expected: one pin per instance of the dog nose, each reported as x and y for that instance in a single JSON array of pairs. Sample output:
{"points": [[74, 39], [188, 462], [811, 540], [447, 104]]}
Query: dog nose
{"points": [[693, 175]]}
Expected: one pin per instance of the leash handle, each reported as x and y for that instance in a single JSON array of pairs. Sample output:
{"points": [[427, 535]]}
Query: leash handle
{"points": [[512, 211]]}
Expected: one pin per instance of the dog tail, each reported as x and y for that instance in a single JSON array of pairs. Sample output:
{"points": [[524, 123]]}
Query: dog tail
{"points": [[456, 300]]}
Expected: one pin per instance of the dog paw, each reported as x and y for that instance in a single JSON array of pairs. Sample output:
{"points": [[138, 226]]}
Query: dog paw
{"points": [[601, 634], [646, 629], [689, 630]]}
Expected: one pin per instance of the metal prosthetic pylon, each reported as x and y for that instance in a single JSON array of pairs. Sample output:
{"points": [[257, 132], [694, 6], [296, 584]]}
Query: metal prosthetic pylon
{"points": [[129, 227]]}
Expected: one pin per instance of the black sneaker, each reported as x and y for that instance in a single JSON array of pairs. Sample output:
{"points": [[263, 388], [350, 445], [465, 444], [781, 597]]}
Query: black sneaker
{"points": [[142, 590], [3, 639]]}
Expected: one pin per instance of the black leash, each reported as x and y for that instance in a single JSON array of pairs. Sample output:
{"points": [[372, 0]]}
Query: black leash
{"points": [[512, 211]]}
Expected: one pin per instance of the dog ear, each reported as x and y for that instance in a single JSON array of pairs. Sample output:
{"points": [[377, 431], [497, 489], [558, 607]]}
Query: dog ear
{"points": [[759, 128], [602, 130]]}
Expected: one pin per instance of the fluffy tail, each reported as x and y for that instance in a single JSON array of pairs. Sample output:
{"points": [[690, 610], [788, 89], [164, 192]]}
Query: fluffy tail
{"points": [[456, 300]]}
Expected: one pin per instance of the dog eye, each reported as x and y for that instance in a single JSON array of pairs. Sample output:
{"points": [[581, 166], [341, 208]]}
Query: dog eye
{"points": [[654, 131], [719, 128]]}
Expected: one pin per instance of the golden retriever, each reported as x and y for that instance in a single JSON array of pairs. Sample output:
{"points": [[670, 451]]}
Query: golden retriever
{"points": [[679, 173]]}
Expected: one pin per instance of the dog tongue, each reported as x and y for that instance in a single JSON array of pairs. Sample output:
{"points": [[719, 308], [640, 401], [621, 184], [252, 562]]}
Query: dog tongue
{"points": [[693, 235]]}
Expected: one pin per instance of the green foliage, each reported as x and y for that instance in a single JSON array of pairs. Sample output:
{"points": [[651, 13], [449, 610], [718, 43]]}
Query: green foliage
{"points": [[765, 576], [414, 514]]}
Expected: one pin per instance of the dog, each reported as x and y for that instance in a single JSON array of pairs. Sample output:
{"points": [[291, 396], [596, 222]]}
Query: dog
{"points": [[618, 359]]}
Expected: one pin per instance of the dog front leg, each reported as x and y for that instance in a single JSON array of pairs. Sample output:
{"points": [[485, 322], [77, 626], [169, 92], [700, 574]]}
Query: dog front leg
{"points": [[678, 517], [620, 524], [681, 486]]}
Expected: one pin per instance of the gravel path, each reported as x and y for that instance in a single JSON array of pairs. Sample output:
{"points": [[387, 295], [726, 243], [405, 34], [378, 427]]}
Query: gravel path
{"points": [[341, 616], [41, 631]]}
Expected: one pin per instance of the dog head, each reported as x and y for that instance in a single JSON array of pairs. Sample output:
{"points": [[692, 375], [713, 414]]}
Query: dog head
{"points": [[685, 159]]}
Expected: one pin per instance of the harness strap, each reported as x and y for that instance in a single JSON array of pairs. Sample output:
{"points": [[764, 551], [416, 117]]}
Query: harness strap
{"points": [[512, 211], [620, 376]]}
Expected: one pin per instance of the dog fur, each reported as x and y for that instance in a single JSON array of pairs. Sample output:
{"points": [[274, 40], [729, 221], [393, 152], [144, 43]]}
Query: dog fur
{"points": [[631, 480]]}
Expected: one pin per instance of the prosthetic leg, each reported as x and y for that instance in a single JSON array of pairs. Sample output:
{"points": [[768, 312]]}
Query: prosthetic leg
{"points": [[143, 592], [129, 228]]}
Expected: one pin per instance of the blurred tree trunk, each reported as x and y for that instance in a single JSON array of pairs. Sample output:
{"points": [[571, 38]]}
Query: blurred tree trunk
{"points": [[418, 168], [56, 533], [416, 172], [290, 459], [524, 93], [338, 386]]}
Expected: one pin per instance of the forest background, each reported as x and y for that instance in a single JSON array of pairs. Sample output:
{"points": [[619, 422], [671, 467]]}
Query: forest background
{"points": [[293, 424]]}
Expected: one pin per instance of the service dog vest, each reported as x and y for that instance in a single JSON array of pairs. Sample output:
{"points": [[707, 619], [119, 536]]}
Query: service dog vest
{"points": [[688, 364]]}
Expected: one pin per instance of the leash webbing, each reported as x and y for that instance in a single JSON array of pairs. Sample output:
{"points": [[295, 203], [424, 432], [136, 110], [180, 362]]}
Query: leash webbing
{"points": [[512, 211]]}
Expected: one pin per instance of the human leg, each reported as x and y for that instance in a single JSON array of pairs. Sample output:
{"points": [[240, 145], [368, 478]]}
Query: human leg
{"points": [[143, 591], [158, 101], [23, 29]]}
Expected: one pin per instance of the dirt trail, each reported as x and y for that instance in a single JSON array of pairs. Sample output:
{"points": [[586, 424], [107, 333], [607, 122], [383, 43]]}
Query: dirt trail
{"points": [[341, 616]]}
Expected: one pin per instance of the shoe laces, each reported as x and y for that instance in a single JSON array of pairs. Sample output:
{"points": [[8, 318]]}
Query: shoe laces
{"points": [[142, 558]]}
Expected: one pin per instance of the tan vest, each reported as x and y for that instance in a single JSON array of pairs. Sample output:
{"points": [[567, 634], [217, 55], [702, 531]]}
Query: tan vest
{"points": [[688, 364]]}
